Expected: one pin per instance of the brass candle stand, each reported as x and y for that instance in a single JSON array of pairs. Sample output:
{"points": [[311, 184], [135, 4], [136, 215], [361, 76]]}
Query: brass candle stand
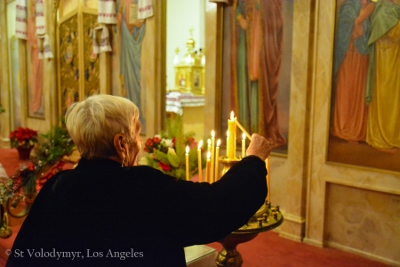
{"points": [[227, 163], [266, 218]]}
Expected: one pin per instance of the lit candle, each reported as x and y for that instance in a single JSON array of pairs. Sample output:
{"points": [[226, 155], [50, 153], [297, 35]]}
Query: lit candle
{"points": [[199, 160], [243, 145], [216, 176], [227, 143], [232, 136], [267, 163], [187, 163], [212, 155], [208, 167]]}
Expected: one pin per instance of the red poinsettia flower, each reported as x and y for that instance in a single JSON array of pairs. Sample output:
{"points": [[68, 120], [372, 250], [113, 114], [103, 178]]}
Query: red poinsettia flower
{"points": [[24, 137]]}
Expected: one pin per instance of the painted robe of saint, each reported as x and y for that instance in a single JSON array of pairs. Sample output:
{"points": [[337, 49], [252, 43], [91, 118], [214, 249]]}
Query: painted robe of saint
{"points": [[36, 63], [350, 70], [132, 32], [383, 89], [257, 43]]}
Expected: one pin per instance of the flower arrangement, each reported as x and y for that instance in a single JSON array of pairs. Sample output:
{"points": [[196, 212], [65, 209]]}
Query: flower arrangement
{"points": [[18, 193], [28, 180], [48, 160], [23, 137], [166, 152]]}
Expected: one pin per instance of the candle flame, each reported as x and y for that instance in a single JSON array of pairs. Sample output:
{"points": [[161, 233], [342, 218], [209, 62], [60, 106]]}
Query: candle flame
{"points": [[187, 149], [219, 142], [208, 155], [200, 144], [212, 133], [232, 115], [243, 136]]}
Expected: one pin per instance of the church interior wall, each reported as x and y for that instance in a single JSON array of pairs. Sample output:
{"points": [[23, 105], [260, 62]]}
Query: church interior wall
{"points": [[358, 187], [324, 204]]}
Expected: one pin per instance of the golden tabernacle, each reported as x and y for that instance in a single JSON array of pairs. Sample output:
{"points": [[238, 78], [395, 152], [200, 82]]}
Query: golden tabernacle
{"points": [[189, 70]]}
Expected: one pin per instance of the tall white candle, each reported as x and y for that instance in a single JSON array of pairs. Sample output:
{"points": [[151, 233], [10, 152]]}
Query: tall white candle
{"points": [[232, 136], [216, 175], [187, 163], [208, 167], [212, 155], [200, 168]]}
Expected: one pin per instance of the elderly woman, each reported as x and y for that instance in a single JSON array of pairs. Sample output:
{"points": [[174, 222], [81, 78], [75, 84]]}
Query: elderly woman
{"points": [[110, 212]]}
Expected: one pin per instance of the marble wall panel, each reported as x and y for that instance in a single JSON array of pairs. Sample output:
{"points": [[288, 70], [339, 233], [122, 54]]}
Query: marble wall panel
{"points": [[367, 221], [382, 186]]}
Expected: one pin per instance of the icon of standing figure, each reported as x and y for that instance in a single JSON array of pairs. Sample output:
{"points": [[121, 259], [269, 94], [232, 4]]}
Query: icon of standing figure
{"points": [[383, 85], [350, 70], [257, 45]]}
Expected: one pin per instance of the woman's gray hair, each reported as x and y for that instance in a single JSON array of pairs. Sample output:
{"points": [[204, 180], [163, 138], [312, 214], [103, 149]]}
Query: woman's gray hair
{"points": [[94, 122]]}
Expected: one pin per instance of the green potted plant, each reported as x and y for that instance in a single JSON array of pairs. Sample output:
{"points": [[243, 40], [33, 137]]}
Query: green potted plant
{"points": [[54, 145]]}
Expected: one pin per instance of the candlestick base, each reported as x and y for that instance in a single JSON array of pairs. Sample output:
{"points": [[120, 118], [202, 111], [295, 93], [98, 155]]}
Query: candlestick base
{"points": [[265, 219], [228, 163]]}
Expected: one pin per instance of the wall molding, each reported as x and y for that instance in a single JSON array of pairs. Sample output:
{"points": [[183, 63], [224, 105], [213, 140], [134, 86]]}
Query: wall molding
{"points": [[291, 236], [292, 227], [393, 191], [313, 242], [293, 218]]}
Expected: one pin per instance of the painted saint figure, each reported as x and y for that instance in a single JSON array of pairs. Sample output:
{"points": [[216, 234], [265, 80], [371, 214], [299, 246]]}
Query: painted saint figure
{"points": [[131, 31], [257, 43], [383, 87], [350, 70], [36, 85]]}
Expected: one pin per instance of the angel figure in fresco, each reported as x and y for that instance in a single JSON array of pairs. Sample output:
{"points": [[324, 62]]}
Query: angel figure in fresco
{"points": [[131, 33], [383, 86], [350, 70], [257, 43], [36, 82]]}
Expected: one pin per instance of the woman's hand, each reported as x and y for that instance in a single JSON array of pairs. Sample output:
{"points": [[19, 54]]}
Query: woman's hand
{"points": [[259, 146]]}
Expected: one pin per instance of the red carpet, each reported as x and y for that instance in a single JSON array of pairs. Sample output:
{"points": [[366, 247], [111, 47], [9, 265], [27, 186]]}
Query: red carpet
{"points": [[10, 161], [270, 250], [266, 250]]}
